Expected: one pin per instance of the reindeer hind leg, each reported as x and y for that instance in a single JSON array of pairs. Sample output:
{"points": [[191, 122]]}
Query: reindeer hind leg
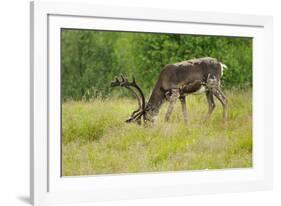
{"points": [[211, 104], [183, 108], [222, 98]]}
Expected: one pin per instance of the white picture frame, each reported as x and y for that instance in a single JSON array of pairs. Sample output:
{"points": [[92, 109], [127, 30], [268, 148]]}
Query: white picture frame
{"points": [[47, 185]]}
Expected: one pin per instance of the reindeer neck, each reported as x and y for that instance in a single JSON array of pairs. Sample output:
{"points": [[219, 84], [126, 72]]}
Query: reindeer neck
{"points": [[155, 101]]}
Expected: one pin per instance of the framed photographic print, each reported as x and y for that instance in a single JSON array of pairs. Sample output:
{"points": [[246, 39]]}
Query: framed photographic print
{"points": [[136, 103]]}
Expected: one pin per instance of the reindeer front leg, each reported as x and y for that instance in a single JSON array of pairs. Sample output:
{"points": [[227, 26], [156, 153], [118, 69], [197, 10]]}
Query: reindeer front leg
{"points": [[172, 99]]}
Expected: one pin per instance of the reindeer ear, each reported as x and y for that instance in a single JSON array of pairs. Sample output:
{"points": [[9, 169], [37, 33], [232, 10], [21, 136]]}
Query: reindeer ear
{"points": [[122, 78], [134, 80]]}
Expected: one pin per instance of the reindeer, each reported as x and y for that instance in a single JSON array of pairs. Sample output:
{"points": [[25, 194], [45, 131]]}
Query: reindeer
{"points": [[175, 82]]}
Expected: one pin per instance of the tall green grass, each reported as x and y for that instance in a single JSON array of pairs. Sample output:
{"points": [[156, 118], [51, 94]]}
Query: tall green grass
{"points": [[97, 141]]}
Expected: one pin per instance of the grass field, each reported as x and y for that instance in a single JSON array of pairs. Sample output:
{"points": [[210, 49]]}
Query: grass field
{"points": [[97, 141]]}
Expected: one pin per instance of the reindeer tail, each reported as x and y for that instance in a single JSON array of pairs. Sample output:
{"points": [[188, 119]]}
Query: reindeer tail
{"points": [[223, 66]]}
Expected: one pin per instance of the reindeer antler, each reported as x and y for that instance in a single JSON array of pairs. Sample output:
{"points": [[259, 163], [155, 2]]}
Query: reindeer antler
{"points": [[124, 82]]}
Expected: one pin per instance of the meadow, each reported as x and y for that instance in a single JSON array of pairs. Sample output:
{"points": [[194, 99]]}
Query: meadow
{"points": [[96, 140]]}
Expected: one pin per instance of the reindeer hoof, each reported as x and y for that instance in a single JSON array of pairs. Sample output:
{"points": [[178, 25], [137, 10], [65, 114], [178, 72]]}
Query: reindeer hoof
{"points": [[128, 120]]}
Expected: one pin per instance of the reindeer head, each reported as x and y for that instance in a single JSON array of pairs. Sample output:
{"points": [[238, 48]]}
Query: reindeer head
{"points": [[139, 114]]}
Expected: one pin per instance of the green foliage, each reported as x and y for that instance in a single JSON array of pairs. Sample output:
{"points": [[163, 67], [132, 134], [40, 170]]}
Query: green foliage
{"points": [[96, 140], [91, 59]]}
